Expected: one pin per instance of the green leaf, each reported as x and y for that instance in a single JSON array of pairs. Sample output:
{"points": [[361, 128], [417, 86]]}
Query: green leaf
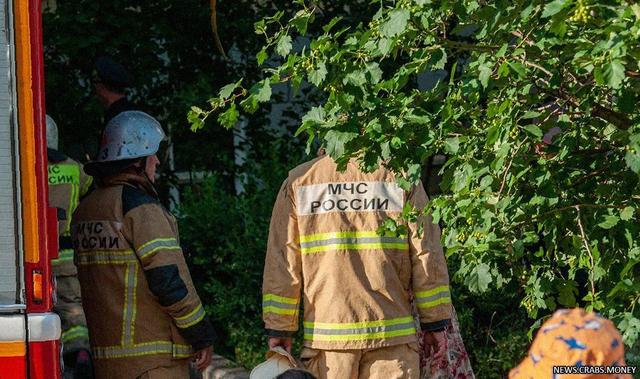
{"points": [[229, 117], [384, 46], [318, 75], [534, 130], [335, 141], [375, 72], [452, 145], [633, 161], [301, 21], [554, 7], [227, 90], [484, 74], [396, 23], [609, 222], [519, 68], [262, 56], [264, 92], [283, 47], [503, 70], [479, 279], [627, 213], [613, 74]]}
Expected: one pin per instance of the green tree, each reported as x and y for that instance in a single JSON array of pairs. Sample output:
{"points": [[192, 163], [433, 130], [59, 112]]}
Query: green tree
{"points": [[557, 215]]}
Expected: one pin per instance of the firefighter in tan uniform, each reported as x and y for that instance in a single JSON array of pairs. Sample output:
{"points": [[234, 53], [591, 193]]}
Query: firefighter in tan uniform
{"points": [[67, 184], [145, 318], [325, 253]]}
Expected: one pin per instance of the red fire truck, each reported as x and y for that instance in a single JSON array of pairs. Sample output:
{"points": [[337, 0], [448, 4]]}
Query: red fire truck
{"points": [[29, 331]]}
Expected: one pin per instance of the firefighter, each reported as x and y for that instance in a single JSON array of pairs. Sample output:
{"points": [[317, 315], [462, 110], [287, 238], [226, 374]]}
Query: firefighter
{"points": [[67, 184], [110, 81], [145, 318], [324, 249]]}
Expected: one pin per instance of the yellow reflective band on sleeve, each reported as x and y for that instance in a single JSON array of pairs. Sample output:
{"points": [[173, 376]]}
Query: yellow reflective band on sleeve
{"points": [[433, 297], [366, 240], [65, 255], [272, 303], [74, 333], [279, 311], [358, 331], [192, 318], [279, 299], [151, 247]]}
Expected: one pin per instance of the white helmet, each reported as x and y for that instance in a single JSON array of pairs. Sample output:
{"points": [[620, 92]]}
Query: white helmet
{"points": [[131, 134], [278, 361], [52, 133]]}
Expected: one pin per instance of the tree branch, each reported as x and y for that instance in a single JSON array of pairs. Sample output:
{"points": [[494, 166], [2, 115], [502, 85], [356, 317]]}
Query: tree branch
{"points": [[591, 260]]}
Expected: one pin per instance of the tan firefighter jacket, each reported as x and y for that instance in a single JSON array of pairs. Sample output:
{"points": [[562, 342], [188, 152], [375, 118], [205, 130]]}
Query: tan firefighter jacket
{"points": [[141, 306], [67, 184], [325, 252]]}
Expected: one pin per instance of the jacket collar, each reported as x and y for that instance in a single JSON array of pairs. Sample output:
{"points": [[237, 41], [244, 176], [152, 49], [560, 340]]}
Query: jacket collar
{"points": [[131, 179]]}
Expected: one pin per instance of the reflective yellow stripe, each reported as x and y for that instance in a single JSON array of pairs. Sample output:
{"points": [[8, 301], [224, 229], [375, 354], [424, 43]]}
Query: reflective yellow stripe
{"points": [[431, 304], [148, 248], [350, 240], [182, 351], [191, 318], [279, 311], [326, 236], [433, 291], [279, 299], [433, 297], [129, 310], [76, 332], [363, 324], [156, 240], [360, 337], [272, 303], [141, 349], [358, 331]]}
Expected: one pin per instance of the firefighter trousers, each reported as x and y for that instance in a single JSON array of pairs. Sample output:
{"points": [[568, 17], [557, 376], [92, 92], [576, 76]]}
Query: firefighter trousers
{"points": [[390, 362], [75, 335]]}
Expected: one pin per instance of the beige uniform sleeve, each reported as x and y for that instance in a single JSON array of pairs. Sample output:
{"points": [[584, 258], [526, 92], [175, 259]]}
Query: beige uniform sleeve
{"points": [[85, 182], [282, 280], [157, 247], [430, 278]]}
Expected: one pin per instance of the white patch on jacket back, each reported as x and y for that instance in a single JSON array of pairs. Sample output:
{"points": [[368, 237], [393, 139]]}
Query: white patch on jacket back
{"points": [[349, 197]]}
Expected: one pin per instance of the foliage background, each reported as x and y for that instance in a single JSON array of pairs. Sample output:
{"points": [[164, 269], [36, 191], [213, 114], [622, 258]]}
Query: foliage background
{"points": [[507, 202]]}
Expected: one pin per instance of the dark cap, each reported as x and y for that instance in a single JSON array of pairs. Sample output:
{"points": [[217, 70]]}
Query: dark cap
{"points": [[112, 73]]}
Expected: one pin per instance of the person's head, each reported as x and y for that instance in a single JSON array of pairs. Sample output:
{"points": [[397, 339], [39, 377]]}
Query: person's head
{"points": [[572, 337], [296, 373], [130, 142], [52, 133], [110, 80]]}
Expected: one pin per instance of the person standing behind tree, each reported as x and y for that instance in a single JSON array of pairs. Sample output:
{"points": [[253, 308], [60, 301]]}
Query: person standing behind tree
{"points": [[145, 318], [67, 184], [325, 249]]}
